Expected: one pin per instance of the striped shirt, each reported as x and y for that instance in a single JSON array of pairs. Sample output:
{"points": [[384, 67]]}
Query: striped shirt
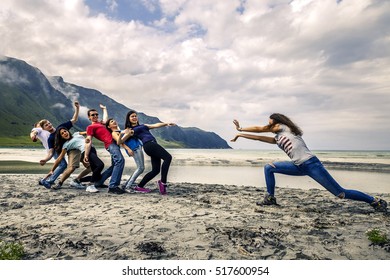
{"points": [[292, 145]]}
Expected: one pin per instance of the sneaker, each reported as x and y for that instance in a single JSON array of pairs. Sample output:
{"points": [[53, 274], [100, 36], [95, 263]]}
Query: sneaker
{"points": [[76, 184], [379, 205], [128, 190], [142, 190], [56, 186], [268, 200], [45, 183], [162, 187], [116, 190], [91, 189]]}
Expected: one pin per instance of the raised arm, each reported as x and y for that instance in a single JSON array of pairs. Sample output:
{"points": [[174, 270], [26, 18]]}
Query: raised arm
{"points": [[105, 113], [76, 112], [157, 125]]}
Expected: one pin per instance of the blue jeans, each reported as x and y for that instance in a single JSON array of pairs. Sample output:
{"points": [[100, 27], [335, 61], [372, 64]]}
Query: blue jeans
{"points": [[117, 164], [314, 169], [139, 161], [58, 171]]}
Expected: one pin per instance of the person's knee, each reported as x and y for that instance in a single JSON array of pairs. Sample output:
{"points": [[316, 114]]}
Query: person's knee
{"points": [[70, 169], [120, 161], [341, 195], [168, 158], [99, 164], [156, 170], [269, 167]]}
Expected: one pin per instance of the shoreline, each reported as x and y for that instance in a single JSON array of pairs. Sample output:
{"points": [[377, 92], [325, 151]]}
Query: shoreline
{"points": [[194, 221], [18, 166]]}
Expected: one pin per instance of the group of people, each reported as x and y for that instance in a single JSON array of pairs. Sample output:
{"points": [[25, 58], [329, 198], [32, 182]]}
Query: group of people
{"points": [[135, 138]]}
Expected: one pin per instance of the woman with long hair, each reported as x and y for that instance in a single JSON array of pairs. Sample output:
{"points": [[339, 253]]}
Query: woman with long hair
{"points": [[288, 137], [152, 149], [133, 148], [74, 146]]}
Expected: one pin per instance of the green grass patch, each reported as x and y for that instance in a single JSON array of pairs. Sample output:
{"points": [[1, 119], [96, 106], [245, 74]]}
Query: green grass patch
{"points": [[377, 237], [25, 142], [11, 250], [169, 144], [23, 167], [18, 141]]}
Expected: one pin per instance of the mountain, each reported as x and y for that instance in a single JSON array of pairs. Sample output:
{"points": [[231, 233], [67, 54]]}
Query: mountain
{"points": [[27, 96]]}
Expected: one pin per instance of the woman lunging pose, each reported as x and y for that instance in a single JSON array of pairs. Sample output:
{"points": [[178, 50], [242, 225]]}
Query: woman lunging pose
{"points": [[304, 162]]}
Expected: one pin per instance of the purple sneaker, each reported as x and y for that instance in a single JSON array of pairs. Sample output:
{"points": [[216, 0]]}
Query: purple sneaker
{"points": [[163, 187], [143, 190]]}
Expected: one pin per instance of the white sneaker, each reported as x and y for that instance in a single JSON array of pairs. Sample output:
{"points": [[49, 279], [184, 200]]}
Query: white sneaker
{"points": [[92, 189], [76, 185]]}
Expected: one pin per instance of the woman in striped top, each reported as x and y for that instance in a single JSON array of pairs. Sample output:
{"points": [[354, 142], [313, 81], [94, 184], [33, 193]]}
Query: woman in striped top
{"points": [[288, 137]]}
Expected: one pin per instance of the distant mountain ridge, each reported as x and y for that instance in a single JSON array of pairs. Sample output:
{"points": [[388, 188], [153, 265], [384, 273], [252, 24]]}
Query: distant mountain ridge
{"points": [[27, 96]]}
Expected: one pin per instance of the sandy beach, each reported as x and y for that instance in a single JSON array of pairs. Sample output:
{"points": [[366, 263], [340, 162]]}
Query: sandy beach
{"points": [[195, 221]]}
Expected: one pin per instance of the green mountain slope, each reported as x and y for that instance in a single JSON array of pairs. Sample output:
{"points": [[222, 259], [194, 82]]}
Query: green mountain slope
{"points": [[27, 95]]}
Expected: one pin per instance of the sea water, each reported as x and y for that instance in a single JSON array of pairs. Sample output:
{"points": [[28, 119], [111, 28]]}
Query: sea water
{"points": [[245, 168], [366, 171]]}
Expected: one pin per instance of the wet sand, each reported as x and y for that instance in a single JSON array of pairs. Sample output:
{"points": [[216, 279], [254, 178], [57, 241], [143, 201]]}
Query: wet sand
{"points": [[195, 221]]}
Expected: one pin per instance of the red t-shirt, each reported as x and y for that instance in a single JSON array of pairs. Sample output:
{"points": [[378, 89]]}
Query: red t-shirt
{"points": [[100, 132]]}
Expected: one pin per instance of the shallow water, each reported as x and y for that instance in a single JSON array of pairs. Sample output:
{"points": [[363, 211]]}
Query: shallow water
{"points": [[253, 176], [245, 167]]}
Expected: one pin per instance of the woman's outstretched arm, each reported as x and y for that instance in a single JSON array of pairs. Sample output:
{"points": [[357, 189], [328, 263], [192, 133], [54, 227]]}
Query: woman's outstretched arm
{"points": [[157, 125], [266, 139], [256, 129]]}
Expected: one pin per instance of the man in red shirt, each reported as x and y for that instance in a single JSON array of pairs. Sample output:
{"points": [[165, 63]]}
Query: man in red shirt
{"points": [[98, 130]]}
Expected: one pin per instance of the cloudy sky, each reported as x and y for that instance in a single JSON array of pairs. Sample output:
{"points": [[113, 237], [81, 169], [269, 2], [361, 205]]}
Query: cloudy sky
{"points": [[324, 63]]}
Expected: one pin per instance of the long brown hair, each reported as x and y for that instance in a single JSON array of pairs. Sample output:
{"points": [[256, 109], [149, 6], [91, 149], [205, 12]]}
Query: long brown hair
{"points": [[127, 121], [59, 141], [280, 118]]}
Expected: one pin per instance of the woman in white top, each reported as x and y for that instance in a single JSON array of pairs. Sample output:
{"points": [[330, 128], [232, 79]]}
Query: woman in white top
{"points": [[303, 161]]}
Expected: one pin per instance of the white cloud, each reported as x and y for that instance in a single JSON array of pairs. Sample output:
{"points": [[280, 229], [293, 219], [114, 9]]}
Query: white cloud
{"points": [[10, 76], [112, 5], [58, 105], [323, 63]]}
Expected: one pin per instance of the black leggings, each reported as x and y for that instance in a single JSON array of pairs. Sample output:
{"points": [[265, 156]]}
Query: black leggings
{"points": [[156, 153], [97, 165]]}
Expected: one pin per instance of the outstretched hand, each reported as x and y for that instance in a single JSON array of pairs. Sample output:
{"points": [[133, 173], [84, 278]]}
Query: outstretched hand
{"points": [[76, 104], [102, 106], [237, 124]]}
